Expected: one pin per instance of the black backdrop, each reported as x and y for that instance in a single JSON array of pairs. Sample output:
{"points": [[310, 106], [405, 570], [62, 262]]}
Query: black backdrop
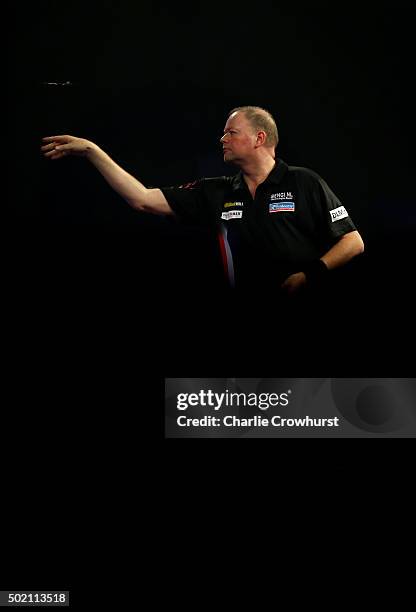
{"points": [[100, 299], [152, 85]]}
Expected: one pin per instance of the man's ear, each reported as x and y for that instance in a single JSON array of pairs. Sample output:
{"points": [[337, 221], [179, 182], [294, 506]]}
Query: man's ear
{"points": [[261, 138]]}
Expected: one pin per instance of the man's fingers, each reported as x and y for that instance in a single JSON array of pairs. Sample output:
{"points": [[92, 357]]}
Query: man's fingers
{"points": [[61, 138], [48, 147], [54, 153], [52, 149]]}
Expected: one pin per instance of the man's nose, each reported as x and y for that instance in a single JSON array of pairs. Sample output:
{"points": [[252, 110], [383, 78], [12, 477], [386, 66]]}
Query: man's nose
{"points": [[222, 139]]}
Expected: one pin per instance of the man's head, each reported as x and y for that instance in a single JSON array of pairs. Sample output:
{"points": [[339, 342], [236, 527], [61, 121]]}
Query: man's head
{"points": [[250, 132]]}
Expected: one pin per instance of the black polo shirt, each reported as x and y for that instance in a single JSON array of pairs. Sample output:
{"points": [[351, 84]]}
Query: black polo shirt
{"points": [[294, 219]]}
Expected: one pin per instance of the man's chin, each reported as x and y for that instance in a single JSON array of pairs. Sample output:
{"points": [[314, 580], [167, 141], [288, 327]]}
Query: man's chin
{"points": [[229, 159]]}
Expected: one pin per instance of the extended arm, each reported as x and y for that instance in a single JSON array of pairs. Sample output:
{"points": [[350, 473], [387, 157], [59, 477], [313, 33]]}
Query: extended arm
{"points": [[129, 188]]}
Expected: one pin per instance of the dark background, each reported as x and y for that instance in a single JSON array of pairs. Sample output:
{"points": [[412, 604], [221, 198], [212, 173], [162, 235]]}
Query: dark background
{"points": [[101, 301], [152, 86]]}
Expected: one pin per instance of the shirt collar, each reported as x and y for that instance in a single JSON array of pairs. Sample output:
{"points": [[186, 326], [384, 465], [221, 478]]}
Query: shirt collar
{"points": [[275, 176]]}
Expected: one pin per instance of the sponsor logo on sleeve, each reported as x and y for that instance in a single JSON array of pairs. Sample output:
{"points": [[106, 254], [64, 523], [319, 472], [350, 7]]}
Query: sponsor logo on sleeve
{"points": [[338, 213]]}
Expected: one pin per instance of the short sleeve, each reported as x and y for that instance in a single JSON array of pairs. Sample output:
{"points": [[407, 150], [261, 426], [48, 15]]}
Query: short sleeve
{"points": [[189, 202], [336, 219]]}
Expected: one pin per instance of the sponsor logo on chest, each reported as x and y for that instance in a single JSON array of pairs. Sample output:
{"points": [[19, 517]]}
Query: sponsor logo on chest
{"points": [[230, 204], [281, 202], [232, 214], [275, 207], [283, 195]]}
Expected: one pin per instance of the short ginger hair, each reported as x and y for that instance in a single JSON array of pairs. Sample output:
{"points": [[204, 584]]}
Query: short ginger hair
{"points": [[260, 119]]}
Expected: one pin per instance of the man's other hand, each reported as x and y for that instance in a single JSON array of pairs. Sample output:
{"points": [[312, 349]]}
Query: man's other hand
{"points": [[294, 283]]}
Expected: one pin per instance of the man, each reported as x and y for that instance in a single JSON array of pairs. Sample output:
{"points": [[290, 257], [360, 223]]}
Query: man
{"points": [[279, 227]]}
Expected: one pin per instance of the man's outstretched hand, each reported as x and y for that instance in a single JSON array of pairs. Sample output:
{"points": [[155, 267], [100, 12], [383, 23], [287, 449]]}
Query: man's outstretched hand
{"points": [[56, 147]]}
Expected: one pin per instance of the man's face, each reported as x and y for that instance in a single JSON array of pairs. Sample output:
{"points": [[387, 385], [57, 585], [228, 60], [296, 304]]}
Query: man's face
{"points": [[239, 139]]}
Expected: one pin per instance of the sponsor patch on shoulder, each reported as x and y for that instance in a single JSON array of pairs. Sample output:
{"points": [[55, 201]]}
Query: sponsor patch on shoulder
{"points": [[275, 207], [232, 214], [338, 213]]}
